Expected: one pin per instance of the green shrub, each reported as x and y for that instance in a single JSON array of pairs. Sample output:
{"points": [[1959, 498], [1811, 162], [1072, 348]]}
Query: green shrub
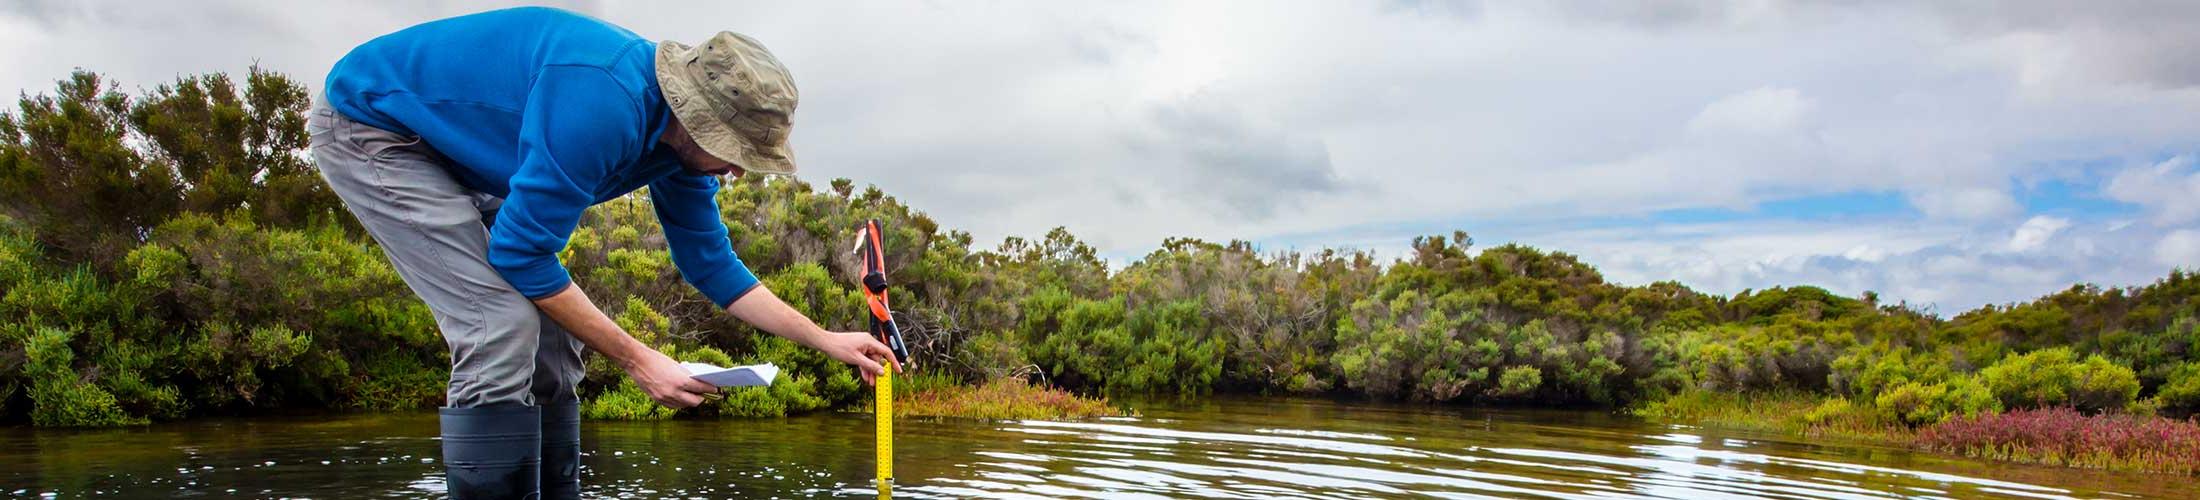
{"points": [[2182, 391], [787, 397], [2103, 385], [2039, 378], [1098, 344], [1518, 381], [2056, 377], [59, 394], [990, 355], [396, 381], [1833, 410], [1411, 346], [1787, 351], [624, 402], [1272, 315], [1867, 372], [1918, 404]]}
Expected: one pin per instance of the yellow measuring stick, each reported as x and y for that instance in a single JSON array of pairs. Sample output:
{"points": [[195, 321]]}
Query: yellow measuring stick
{"points": [[885, 414], [871, 246]]}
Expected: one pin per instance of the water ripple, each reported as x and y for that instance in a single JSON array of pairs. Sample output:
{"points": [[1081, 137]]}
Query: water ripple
{"points": [[1238, 449]]}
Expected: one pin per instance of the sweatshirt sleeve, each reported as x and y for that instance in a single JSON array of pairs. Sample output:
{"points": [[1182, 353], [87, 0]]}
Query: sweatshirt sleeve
{"points": [[687, 208], [575, 126]]}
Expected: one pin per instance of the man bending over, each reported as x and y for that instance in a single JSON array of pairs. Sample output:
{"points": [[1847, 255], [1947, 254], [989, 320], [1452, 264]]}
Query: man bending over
{"points": [[469, 147]]}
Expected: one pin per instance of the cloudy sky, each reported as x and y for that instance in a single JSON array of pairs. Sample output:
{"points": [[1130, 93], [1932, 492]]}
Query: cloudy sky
{"points": [[1944, 153]]}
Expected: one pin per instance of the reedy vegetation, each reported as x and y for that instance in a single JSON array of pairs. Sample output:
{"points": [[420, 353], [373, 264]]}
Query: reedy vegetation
{"points": [[171, 254]]}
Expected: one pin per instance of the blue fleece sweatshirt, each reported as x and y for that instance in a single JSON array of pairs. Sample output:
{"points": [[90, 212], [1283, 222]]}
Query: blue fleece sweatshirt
{"points": [[554, 112]]}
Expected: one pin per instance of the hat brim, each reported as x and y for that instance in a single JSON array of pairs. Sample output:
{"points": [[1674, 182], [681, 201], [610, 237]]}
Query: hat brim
{"points": [[711, 131]]}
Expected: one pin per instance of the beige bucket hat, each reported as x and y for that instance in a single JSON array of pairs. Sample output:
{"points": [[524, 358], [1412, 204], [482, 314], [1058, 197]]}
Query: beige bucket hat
{"points": [[734, 97]]}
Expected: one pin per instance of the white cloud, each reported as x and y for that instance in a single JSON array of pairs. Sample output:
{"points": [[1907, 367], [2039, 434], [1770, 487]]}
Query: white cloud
{"points": [[2170, 190], [1966, 203], [2057, 45], [1764, 110], [2180, 249], [1865, 253], [1948, 268], [2035, 232]]}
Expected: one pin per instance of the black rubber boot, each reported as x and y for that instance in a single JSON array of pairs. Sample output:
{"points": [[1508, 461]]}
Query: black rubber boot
{"points": [[561, 451], [492, 452]]}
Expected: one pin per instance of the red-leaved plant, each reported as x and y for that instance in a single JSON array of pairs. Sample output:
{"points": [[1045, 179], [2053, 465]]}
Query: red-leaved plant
{"points": [[2063, 436]]}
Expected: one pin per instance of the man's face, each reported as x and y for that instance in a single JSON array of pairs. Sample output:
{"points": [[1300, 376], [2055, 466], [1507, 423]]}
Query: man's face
{"points": [[702, 162], [693, 157]]}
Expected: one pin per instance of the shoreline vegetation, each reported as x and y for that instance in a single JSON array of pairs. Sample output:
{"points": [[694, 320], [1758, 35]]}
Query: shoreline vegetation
{"points": [[1787, 412], [173, 253], [2061, 436]]}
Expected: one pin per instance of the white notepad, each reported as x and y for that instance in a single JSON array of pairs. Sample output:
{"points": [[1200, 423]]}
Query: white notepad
{"points": [[739, 376]]}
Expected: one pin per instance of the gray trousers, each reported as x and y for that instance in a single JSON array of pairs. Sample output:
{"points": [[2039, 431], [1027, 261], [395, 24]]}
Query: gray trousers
{"points": [[504, 351]]}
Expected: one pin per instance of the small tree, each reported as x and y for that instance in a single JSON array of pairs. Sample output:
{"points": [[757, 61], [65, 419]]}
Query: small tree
{"points": [[92, 170]]}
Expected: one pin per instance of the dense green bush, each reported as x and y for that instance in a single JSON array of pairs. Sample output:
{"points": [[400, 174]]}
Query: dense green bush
{"points": [[1099, 343], [129, 163], [1916, 403], [2152, 352], [1517, 381], [1870, 370], [2182, 391], [2057, 377], [1269, 312], [1411, 346]]}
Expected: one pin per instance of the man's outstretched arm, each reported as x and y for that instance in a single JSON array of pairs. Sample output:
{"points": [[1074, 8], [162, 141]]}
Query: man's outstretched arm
{"points": [[657, 374], [762, 309], [687, 208]]}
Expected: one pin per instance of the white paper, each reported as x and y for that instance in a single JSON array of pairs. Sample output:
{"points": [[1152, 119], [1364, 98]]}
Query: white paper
{"points": [[739, 376]]}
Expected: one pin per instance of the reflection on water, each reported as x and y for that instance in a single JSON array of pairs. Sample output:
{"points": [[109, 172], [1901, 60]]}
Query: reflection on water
{"points": [[1231, 448]]}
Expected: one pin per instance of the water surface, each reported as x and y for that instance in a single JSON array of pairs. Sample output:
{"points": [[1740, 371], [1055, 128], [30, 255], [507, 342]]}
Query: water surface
{"points": [[1220, 448]]}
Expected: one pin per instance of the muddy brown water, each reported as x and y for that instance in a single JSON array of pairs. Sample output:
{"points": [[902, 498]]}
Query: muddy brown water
{"points": [[1213, 448]]}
